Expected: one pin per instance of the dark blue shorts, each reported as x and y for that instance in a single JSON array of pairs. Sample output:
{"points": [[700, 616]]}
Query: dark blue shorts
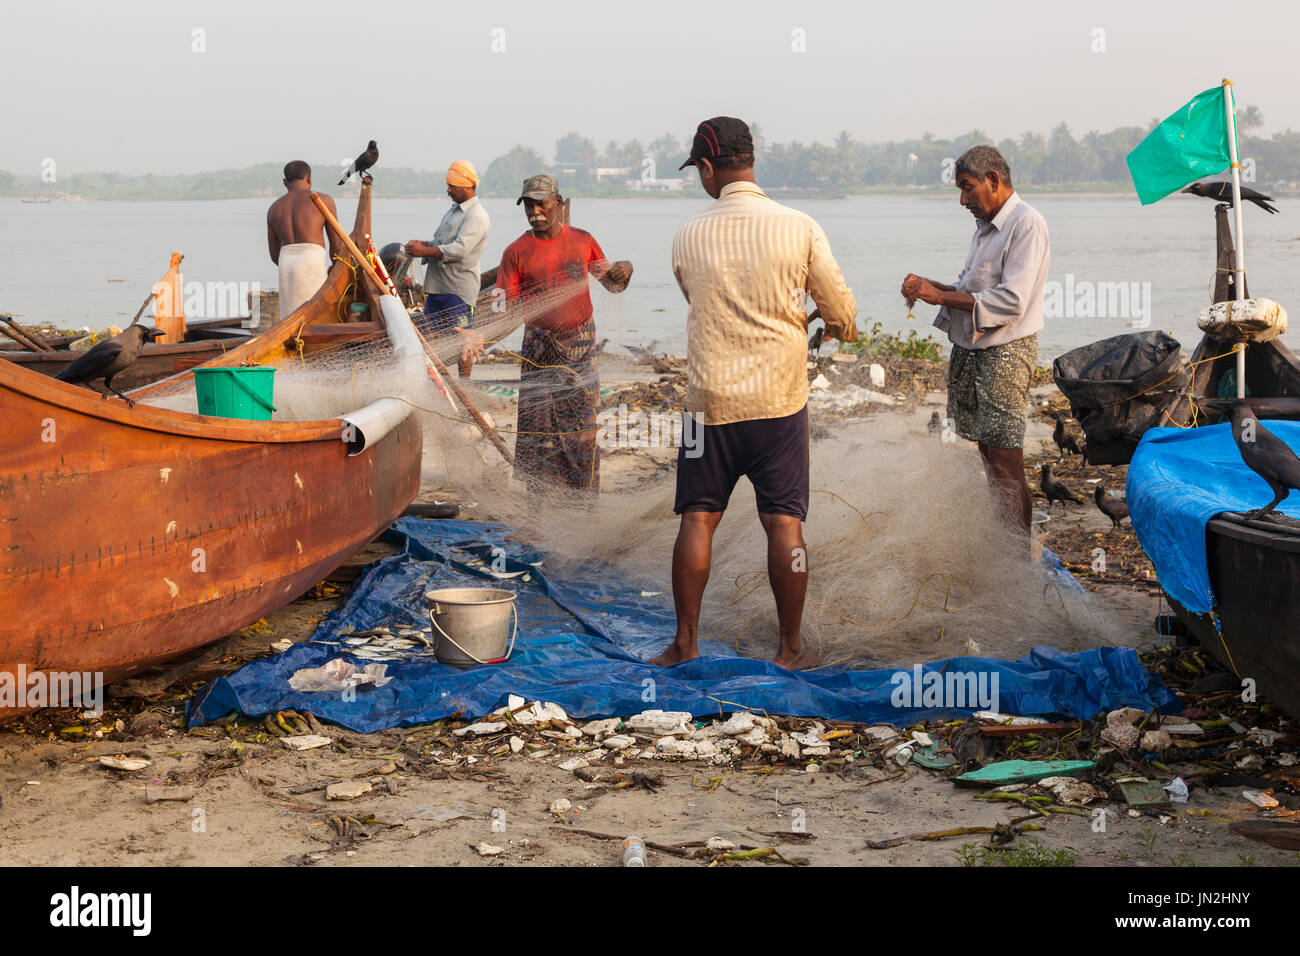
{"points": [[444, 312], [771, 452]]}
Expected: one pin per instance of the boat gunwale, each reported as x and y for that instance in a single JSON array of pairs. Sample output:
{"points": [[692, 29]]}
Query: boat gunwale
{"points": [[80, 400]]}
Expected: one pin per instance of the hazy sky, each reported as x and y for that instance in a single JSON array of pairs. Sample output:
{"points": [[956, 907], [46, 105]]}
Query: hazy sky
{"points": [[119, 87]]}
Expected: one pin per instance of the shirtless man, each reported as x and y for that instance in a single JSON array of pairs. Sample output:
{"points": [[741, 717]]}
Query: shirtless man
{"points": [[294, 232]]}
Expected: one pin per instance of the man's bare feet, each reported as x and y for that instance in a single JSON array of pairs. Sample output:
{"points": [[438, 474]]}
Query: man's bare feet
{"points": [[674, 653], [794, 660]]}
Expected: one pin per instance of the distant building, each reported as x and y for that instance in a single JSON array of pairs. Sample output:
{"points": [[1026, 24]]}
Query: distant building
{"points": [[658, 185], [613, 172]]}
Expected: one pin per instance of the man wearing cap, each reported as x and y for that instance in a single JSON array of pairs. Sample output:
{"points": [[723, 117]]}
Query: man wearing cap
{"points": [[992, 315], [451, 276], [746, 266], [559, 386]]}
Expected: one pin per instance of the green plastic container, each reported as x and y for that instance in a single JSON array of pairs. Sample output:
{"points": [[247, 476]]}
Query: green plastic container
{"points": [[236, 392]]}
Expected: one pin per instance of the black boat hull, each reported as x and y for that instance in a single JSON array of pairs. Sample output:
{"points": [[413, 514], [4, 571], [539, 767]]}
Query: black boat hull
{"points": [[1254, 567]]}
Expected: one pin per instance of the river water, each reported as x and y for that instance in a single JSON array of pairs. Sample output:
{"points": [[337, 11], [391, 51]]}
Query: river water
{"points": [[62, 261]]}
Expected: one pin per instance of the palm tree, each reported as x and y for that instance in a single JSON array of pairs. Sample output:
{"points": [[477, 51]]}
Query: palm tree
{"points": [[1092, 158], [1249, 118]]}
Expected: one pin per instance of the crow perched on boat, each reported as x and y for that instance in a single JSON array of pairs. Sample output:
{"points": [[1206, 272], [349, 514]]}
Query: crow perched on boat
{"points": [[1113, 508], [1220, 190], [1264, 453], [362, 162], [1067, 439], [107, 359], [1055, 490]]}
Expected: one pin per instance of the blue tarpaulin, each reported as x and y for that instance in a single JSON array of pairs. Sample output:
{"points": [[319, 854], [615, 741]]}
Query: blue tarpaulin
{"points": [[583, 640], [1178, 480]]}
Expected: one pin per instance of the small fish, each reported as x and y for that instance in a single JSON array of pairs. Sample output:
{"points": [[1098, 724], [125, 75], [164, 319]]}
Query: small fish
{"points": [[382, 629]]}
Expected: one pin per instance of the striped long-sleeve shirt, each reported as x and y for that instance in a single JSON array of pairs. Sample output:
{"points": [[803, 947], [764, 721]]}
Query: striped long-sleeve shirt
{"points": [[746, 265]]}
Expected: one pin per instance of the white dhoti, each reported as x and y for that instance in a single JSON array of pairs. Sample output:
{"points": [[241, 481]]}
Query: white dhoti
{"points": [[303, 268]]}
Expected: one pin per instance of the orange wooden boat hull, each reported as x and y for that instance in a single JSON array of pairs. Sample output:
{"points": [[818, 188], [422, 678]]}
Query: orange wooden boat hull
{"points": [[129, 536]]}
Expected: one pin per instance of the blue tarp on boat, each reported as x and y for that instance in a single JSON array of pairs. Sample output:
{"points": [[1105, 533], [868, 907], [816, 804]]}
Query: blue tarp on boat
{"points": [[583, 640], [1178, 480]]}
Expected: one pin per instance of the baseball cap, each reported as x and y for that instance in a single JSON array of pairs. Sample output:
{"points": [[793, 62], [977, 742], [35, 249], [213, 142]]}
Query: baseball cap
{"points": [[538, 187], [717, 138]]}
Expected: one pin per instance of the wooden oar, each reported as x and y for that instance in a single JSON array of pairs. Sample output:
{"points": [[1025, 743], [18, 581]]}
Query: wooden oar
{"points": [[369, 270], [143, 305], [429, 367]]}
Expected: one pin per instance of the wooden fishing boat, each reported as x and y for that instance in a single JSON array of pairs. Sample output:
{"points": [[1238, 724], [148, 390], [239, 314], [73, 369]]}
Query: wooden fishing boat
{"points": [[345, 309], [1253, 565], [129, 536], [1254, 569], [132, 535], [202, 342], [343, 300]]}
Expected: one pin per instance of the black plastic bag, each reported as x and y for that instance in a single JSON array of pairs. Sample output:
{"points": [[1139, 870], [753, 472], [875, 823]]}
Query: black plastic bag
{"points": [[1119, 387]]}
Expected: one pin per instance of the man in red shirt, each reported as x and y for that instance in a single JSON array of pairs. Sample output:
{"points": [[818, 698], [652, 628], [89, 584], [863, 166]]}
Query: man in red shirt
{"points": [[559, 385]]}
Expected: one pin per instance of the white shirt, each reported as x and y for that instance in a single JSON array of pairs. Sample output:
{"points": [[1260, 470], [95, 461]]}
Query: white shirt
{"points": [[461, 236], [1005, 271]]}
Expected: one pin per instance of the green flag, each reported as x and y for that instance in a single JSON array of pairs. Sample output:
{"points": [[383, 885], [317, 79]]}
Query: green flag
{"points": [[1189, 145]]}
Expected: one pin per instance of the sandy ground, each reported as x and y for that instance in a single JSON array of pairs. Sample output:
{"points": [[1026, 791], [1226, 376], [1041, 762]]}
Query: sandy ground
{"points": [[434, 799]]}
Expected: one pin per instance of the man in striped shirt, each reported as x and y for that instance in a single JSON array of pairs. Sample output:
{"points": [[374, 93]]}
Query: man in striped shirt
{"points": [[746, 266]]}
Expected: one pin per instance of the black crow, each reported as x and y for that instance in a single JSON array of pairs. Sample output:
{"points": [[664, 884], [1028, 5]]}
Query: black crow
{"points": [[1220, 190], [1055, 490], [1264, 453], [362, 162], [1067, 438], [1113, 508], [935, 424], [107, 359], [815, 342]]}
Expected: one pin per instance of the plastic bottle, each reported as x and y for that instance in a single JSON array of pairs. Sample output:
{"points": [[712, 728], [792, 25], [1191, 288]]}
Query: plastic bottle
{"points": [[634, 851]]}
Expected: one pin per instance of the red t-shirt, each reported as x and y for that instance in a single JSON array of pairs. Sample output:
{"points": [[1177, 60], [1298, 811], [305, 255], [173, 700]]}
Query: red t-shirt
{"points": [[531, 266]]}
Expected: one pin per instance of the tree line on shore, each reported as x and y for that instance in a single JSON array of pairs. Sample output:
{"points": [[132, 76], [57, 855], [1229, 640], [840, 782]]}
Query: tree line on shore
{"points": [[1057, 160]]}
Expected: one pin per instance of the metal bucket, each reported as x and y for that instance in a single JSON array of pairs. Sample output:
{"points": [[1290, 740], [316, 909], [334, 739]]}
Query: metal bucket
{"points": [[473, 625]]}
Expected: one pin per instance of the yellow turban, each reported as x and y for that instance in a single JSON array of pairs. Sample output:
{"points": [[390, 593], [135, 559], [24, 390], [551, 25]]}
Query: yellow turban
{"points": [[462, 173]]}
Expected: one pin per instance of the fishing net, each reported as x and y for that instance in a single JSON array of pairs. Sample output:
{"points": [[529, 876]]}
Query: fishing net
{"points": [[909, 557]]}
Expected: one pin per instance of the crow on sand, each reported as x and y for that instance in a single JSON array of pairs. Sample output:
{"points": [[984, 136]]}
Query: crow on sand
{"points": [[1113, 508], [1055, 490], [107, 359], [815, 342], [1068, 439]]}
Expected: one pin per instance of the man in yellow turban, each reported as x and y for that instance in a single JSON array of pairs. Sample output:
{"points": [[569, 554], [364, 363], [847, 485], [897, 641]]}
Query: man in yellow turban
{"points": [[451, 259]]}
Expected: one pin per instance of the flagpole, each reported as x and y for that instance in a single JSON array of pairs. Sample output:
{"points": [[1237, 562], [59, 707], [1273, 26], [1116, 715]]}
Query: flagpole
{"points": [[1238, 241]]}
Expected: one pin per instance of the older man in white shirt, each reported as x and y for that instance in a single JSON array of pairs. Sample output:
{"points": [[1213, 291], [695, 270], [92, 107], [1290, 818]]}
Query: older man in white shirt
{"points": [[992, 315]]}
